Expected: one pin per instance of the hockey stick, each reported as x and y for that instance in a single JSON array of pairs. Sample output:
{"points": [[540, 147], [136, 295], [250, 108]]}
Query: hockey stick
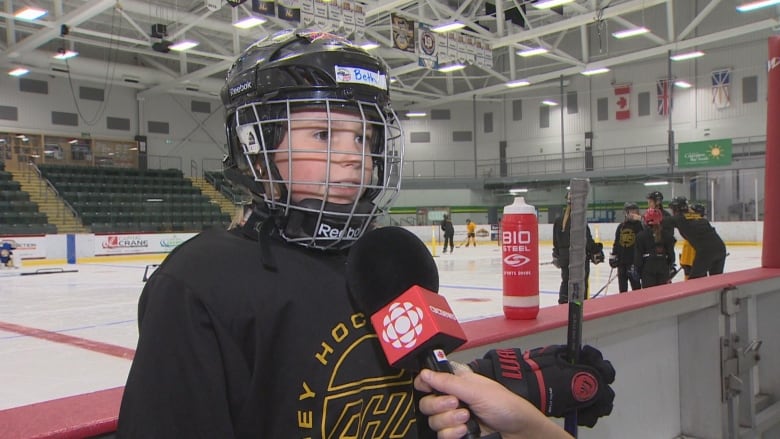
{"points": [[464, 241], [579, 188], [610, 278]]}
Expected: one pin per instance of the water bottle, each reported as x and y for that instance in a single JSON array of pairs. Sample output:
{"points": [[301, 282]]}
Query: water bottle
{"points": [[520, 260]]}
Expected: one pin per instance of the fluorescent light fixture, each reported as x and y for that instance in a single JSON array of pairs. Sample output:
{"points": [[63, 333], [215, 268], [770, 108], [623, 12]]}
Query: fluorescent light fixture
{"points": [[518, 83], [393, 80], [547, 4], [446, 27], [19, 71], [416, 114], [249, 22], [752, 6], [656, 183], [184, 45], [73, 141], [518, 191], [531, 52], [596, 71], [154, 200], [29, 13], [452, 67], [20, 136], [369, 45], [682, 84], [68, 54], [549, 102], [688, 55], [627, 33]]}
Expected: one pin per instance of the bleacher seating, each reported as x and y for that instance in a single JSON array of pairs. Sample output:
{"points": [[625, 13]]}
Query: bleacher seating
{"points": [[19, 215], [116, 200]]}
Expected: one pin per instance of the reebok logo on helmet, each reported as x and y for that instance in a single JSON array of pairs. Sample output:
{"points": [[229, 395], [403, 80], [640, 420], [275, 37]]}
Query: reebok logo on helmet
{"points": [[240, 88]]}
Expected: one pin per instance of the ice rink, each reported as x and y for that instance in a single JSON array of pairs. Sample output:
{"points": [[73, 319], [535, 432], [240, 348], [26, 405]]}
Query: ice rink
{"points": [[65, 334]]}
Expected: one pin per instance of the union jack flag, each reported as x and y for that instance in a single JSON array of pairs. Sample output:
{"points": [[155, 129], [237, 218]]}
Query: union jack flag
{"points": [[664, 95], [721, 88]]}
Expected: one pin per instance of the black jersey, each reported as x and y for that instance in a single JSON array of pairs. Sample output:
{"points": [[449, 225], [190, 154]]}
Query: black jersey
{"points": [[562, 241], [230, 349], [695, 229], [625, 240]]}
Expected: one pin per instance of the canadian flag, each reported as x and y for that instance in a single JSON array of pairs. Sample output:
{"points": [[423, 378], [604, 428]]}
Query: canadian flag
{"points": [[623, 101]]}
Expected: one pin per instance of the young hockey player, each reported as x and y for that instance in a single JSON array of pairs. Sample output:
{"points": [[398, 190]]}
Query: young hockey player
{"points": [[622, 255], [654, 254]]}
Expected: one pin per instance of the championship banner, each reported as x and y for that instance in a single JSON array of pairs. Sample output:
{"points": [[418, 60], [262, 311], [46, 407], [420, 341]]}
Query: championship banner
{"points": [[321, 14], [121, 244], [289, 10], [307, 13], [264, 7], [622, 101], [427, 56], [348, 16], [664, 95], [721, 88], [716, 152], [402, 33], [334, 14]]}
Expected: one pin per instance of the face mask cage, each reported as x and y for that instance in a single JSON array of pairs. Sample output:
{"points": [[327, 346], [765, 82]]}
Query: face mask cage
{"points": [[262, 135]]}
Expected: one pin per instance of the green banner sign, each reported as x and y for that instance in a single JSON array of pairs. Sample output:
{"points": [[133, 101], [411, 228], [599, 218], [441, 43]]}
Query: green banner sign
{"points": [[716, 152]]}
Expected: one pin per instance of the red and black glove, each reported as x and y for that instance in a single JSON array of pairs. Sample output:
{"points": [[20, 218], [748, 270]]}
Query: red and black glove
{"points": [[555, 386]]}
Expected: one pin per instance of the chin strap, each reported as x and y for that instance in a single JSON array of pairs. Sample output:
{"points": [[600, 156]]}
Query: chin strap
{"points": [[260, 226]]}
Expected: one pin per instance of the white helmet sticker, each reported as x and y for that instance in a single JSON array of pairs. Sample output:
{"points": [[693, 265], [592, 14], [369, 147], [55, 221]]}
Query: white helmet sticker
{"points": [[357, 75], [246, 135]]}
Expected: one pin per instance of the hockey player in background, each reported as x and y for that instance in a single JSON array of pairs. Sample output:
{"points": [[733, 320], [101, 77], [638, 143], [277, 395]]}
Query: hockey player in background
{"points": [[654, 253], [622, 255], [710, 257]]}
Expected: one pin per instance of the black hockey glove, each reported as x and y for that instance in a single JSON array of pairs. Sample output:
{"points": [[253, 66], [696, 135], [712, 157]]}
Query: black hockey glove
{"points": [[613, 261], [544, 377], [597, 255], [556, 262]]}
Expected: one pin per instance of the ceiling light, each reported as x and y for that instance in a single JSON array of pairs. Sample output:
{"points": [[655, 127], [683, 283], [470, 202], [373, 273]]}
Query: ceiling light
{"points": [[518, 191], [518, 83], [184, 45], [29, 13], [249, 22], [531, 52], [682, 84], [752, 6], [656, 183], [416, 114], [20, 136], [19, 71], [547, 4], [65, 54], [369, 45], [73, 141], [626, 33], [446, 27], [452, 67], [688, 55], [549, 103], [595, 71]]}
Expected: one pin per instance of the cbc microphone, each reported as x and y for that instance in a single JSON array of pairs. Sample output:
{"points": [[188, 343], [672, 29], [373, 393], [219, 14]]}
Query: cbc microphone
{"points": [[393, 278]]}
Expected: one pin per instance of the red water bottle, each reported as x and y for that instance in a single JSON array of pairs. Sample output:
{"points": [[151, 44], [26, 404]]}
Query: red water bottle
{"points": [[520, 260]]}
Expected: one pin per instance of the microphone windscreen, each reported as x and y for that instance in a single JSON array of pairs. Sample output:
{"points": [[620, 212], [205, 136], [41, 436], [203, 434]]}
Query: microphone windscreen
{"points": [[384, 263]]}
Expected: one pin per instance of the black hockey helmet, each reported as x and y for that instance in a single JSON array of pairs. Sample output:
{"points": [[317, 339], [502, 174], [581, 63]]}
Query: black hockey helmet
{"points": [[679, 204], [699, 208], [656, 196], [303, 70], [630, 205]]}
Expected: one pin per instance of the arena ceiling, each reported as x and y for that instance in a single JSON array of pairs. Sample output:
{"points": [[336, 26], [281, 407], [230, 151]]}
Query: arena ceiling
{"points": [[114, 42]]}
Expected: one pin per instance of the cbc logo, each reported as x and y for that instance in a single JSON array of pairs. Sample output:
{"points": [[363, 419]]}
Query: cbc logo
{"points": [[402, 325], [515, 260]]}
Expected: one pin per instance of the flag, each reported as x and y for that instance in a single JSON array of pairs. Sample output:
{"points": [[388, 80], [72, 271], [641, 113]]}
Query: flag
{"points": [[721, 84], [622, 101], [402, 33], [664, 94]]}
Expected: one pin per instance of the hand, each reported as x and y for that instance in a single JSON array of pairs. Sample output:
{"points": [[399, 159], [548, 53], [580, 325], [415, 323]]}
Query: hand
{"points": [[633, 273], [556, 262], [613, 261], [545, 378], [496, 408]]}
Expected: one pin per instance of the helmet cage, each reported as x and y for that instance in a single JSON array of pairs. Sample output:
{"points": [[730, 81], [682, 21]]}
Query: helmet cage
{"points": [[256, 133]]}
